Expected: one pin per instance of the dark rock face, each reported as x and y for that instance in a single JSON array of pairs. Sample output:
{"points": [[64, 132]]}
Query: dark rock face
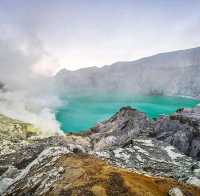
{"points": [[126, 124], [174, 132], [181, 130], [195, 148]]}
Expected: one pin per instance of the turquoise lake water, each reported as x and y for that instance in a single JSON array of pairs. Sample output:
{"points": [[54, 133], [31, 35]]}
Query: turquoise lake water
{"points": [[81, 113]]}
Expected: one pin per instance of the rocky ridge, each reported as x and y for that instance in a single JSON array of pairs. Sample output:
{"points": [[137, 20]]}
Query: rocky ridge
{"points": [[139, 76], [181, 130], [121, 154]]}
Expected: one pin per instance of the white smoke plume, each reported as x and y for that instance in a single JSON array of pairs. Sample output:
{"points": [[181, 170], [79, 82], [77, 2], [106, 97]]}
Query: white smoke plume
{"points": [[26, 95]]}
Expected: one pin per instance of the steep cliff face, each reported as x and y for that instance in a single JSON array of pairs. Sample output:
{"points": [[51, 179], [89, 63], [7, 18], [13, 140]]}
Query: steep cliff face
{"points": [[181, 130], [176, 73], [126, 124], [127, 154]]}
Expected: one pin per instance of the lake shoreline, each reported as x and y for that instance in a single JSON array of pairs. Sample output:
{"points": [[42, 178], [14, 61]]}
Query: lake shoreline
{"points": [[82, 113]]}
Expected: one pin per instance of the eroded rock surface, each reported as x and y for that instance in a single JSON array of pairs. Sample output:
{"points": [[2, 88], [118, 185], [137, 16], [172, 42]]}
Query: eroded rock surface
{"points": [[62, 173], [14, 133], [152, 157], [75, 164], [126, 124], [181, 130], [45, 174]]}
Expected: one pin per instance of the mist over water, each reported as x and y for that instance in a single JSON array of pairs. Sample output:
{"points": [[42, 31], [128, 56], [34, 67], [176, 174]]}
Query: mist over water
{"points": [[29, 41], [31, 97], [83, 112]]}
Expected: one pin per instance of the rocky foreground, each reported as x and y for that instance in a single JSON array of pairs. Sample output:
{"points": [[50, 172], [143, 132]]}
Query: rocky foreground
{"points": [[128, 154]]}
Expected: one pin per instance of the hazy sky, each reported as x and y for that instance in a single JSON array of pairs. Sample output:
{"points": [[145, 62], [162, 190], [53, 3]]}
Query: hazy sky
{"points": [[82, 33]]}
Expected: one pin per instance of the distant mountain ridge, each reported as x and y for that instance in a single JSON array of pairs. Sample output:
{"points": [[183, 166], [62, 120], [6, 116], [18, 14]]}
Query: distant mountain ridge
{"points": [[171, 73]]}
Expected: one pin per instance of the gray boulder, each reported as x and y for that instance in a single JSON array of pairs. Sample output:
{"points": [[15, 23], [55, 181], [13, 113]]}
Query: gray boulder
{"points": [[194, 181], [175, 192], [125, 125], [181, 130]]}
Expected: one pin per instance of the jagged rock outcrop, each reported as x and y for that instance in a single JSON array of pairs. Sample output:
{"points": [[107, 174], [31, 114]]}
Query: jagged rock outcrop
{"points": [[129, 139], [46, 174], [75, 164], [181, 130], [29, 151], [126, 124], [151, 157]]}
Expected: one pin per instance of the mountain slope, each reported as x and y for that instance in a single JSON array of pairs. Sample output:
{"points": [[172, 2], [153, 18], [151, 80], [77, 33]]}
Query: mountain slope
{"points": [[169, 73]]}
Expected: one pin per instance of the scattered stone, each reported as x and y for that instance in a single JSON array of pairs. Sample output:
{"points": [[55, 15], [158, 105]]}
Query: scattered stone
{"points": [[197, 172], [150, 156], [175, 192], [61, 170], [194, 181]]}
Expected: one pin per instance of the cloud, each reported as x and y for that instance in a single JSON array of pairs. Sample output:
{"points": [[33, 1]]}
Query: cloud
{"points": [[29, 96], [35, 110]]}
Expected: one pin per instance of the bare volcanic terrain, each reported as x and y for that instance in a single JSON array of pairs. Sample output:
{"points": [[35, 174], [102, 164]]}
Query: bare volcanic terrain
{"points": [[127, 154]]}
